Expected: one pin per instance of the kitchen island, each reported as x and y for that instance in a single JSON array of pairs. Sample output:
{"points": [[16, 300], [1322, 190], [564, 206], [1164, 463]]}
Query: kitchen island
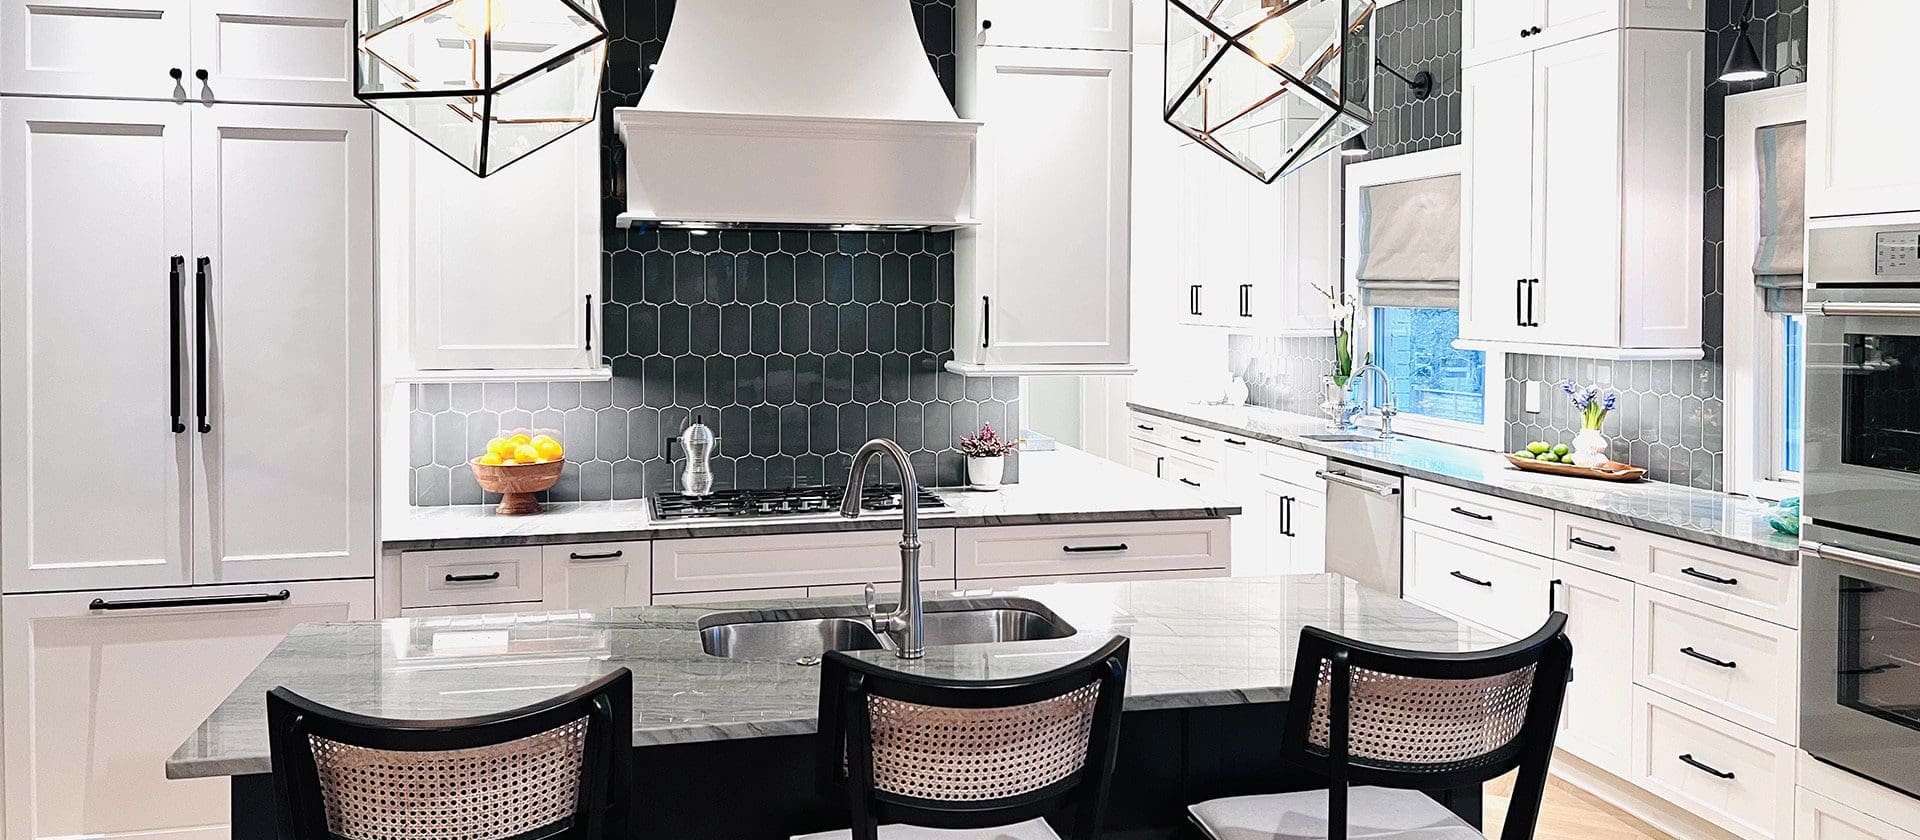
{"points": [[724, 747]]}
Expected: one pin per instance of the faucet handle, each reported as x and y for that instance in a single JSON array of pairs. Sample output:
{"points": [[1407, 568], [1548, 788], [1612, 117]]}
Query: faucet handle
{"points": [[873, 607]]}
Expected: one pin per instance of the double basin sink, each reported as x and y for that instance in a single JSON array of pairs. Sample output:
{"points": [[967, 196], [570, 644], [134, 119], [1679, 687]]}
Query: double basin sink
{"points": [[746, 635]]}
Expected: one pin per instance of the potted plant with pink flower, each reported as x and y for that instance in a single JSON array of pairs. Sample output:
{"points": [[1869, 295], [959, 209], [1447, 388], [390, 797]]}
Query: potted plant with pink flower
{"points": [[986, 453]]}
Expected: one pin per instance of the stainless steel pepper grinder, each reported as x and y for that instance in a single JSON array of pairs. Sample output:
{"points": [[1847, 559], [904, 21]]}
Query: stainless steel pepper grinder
{"points": [[698, 442]]}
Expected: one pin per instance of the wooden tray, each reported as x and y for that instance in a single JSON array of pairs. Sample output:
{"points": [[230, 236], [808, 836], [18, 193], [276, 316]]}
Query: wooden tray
{"points": [[1611, 471]]}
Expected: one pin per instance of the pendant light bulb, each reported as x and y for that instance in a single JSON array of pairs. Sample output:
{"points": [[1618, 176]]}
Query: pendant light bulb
{"points": [[475, 18], [1270, 37]]}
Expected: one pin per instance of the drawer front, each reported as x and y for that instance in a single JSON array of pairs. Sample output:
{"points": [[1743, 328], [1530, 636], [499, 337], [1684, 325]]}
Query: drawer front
{"points": [[1599, 546], [1202, 444], [1833, 784], [1511, 524], [1746, 585], [596, 576], [1053, 550], [1496, 587], [702, 599], [1740, 668], [721, 564], [1146, 427], [1191, 474], [470, 578], [1821, 818], [1292, 466], [1739, 780]]}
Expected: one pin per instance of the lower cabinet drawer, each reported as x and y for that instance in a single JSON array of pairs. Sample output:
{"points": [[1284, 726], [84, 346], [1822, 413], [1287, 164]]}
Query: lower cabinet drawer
{"points": [[1191, 474], [1499, 588], [476, 577], [1740, 668], [1821, 818], [1147, 427], [1052, 550], [1748, 585], [702, 599], [725, 564], [1727, 774], [1503, 521]]}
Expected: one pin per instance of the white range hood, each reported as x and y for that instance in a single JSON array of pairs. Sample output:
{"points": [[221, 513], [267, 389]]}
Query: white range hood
{"points": [[797, 113]]}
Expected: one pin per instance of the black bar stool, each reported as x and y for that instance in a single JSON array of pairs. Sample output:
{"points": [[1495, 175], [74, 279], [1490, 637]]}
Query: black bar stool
{"points": [[940, 759], [556, 770], [1397, 722]]}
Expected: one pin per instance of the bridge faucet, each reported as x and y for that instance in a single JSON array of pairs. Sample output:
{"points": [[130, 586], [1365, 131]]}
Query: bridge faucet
{"points": [[906, 623], [1387, 412]]}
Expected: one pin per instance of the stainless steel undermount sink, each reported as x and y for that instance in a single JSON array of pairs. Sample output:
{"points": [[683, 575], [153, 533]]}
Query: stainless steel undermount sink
{"points": [[744, 635], [1344, 437]]}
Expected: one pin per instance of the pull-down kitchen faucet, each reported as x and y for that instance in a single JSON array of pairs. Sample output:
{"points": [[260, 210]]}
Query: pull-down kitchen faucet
{"points": [[907, 623]]}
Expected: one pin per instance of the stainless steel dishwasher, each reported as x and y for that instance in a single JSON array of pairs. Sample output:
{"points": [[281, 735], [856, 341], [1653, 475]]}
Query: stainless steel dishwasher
{"points": [[1363, 524]]}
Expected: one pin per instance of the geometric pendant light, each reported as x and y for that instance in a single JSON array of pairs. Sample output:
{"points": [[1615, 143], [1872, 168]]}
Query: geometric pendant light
{"points": [[1269, 84], [485, 82]]}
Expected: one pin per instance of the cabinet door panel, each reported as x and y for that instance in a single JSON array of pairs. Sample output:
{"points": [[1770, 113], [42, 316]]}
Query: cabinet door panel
{"points": [[1596, 722], [1491, 29], [1858, 158], [1053, 242], [84, 343], [597, 576], [1497, 193], [97, 700], [282, 212], [285, 51], [1576, 199], [1307, 519], [120, 48], [1074, 24], [501, 267], [1313, 244]]}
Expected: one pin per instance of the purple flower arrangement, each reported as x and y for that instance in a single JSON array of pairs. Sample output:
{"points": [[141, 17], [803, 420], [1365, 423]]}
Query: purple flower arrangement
{"points": [[1591, 401]]}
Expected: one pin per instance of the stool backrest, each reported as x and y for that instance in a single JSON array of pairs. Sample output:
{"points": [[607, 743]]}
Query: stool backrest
{"points": [[906, 747], [556, 770]]}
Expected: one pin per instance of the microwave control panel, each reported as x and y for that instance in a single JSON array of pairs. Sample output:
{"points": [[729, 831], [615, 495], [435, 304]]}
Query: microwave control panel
{"points": [[1896, 253]]}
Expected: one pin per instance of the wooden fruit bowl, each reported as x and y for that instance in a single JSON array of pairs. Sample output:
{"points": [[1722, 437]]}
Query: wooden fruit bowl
{"points": [[517, 483], [1609, 471]]}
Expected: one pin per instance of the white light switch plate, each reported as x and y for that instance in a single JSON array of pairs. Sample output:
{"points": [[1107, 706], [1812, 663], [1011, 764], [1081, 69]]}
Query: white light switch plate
{"points": [[1533, 396]]}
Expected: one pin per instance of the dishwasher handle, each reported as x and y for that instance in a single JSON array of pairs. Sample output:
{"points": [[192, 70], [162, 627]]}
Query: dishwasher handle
{"points": [[1342, 478]]}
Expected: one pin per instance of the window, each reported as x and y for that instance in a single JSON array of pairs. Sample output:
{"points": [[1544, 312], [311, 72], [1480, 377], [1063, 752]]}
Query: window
{"points": [[1430, 376]]}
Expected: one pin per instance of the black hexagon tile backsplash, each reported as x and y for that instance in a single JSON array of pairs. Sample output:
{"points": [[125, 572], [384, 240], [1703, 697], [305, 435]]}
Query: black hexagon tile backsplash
{"points": [[795, 346]]}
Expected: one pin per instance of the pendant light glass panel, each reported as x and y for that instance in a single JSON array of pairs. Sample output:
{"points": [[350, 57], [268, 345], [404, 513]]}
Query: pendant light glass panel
{"points": [[486, 82], [1269, 84]]}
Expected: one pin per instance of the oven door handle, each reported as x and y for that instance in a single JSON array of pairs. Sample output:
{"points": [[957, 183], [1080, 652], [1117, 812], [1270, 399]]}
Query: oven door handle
{"points": [[1869, 309], [1861, 558]]}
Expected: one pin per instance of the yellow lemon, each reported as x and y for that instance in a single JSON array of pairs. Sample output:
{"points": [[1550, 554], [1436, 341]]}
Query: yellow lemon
{"points": [[549, 449], [490, 459], [499, 447], [537, 439], [525, 453], [520, 439]]}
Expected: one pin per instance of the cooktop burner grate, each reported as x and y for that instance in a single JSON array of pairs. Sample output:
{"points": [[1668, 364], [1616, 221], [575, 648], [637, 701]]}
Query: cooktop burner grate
{"points": [[792, 501]]}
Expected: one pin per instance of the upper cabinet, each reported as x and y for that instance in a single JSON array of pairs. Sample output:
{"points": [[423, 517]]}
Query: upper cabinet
{"points": [[1496, 29], [1042, 283], [1248, 254], [1582, 201], [1859, 143], [499, 276], [265, 51]]}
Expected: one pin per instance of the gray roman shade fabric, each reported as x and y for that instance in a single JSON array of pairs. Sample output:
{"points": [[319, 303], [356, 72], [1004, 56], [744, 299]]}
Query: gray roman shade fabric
{"points": [[1779, 257], [1410, 243]]}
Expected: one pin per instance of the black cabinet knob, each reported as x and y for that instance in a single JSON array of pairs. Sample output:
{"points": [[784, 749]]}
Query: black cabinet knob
{"points": [[1523, 32], [200, 74], [1534, 31], [175, 73]]}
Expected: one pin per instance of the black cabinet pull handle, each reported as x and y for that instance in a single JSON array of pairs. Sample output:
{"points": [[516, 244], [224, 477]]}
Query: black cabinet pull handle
{"points": [[1160, 466], [986, 321], [1483, 517], [1589, 544], [176, 277], [1286, 517], [1704, 768], [1533, 285], [1520, 302], [1471, 579], [202, 267], [1723, 581], [1869, 670], [1553, 600], [1236, 442], [1246, 300], [1090, 549], [1144, 427], [587, 318], [1190, 482], [1190, 439], [1707, 659], [473, 578], [574, 555], [201, 601]]}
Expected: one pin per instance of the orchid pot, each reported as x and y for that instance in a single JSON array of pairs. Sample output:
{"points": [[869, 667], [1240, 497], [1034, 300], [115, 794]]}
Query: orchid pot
{"points": [[1342, 308]]}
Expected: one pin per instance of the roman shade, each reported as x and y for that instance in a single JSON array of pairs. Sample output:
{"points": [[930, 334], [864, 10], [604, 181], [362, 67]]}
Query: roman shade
{"points": [[1409, 243], [1779, 257]]}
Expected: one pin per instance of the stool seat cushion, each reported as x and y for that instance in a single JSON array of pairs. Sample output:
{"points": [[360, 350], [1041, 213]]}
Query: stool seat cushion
{"points": [[1372, 812], [1034, 829]]}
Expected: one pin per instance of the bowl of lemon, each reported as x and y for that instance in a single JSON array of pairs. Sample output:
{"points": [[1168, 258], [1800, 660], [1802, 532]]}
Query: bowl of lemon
{"points": [[517, 466]]}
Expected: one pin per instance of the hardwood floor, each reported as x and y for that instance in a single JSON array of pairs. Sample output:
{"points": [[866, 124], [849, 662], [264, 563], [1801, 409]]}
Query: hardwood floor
{"points": [[1569, 814]]}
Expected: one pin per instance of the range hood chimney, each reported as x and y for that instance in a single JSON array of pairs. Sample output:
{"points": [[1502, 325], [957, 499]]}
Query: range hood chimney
{"points": [[796, 113]]}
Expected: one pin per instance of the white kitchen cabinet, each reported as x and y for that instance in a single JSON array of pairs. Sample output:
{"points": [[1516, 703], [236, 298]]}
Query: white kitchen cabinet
{"points": [[272, 51], [1483, 583], [713, 564], [1240, 479], [485, 579], [1731, 776], [1837, 805], [1250, 254], [101, 687], [596, 576], [1294, 524], [1820, 818], [242, 262], [1198, 546], [1496, 29], [1068, 24], [1043, 281], [1596, 717], [281, 215], [1583, 213], [1739, 668], [501, 275], [1859, 158]]}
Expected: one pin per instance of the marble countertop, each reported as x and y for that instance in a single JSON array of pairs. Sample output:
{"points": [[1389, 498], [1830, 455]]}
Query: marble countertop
{"points": [[1734, 523], [1063, 485], [1220, 641]]}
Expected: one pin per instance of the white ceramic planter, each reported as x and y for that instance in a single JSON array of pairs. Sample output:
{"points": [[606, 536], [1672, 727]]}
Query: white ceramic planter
{"points": [[985, 473], [1589, 448]]}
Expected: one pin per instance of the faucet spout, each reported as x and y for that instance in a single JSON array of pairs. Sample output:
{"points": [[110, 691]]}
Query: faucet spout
{"points": [[907, 622], [1386, 412]]}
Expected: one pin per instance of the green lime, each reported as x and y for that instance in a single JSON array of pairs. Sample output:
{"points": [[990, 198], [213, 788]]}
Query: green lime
{"points": [[1550, 458], [1538, 447], [1561, 449], [1523, 454]]}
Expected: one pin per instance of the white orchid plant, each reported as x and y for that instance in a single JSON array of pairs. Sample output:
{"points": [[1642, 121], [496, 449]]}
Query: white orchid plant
{"points": [[1342, 309]]}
